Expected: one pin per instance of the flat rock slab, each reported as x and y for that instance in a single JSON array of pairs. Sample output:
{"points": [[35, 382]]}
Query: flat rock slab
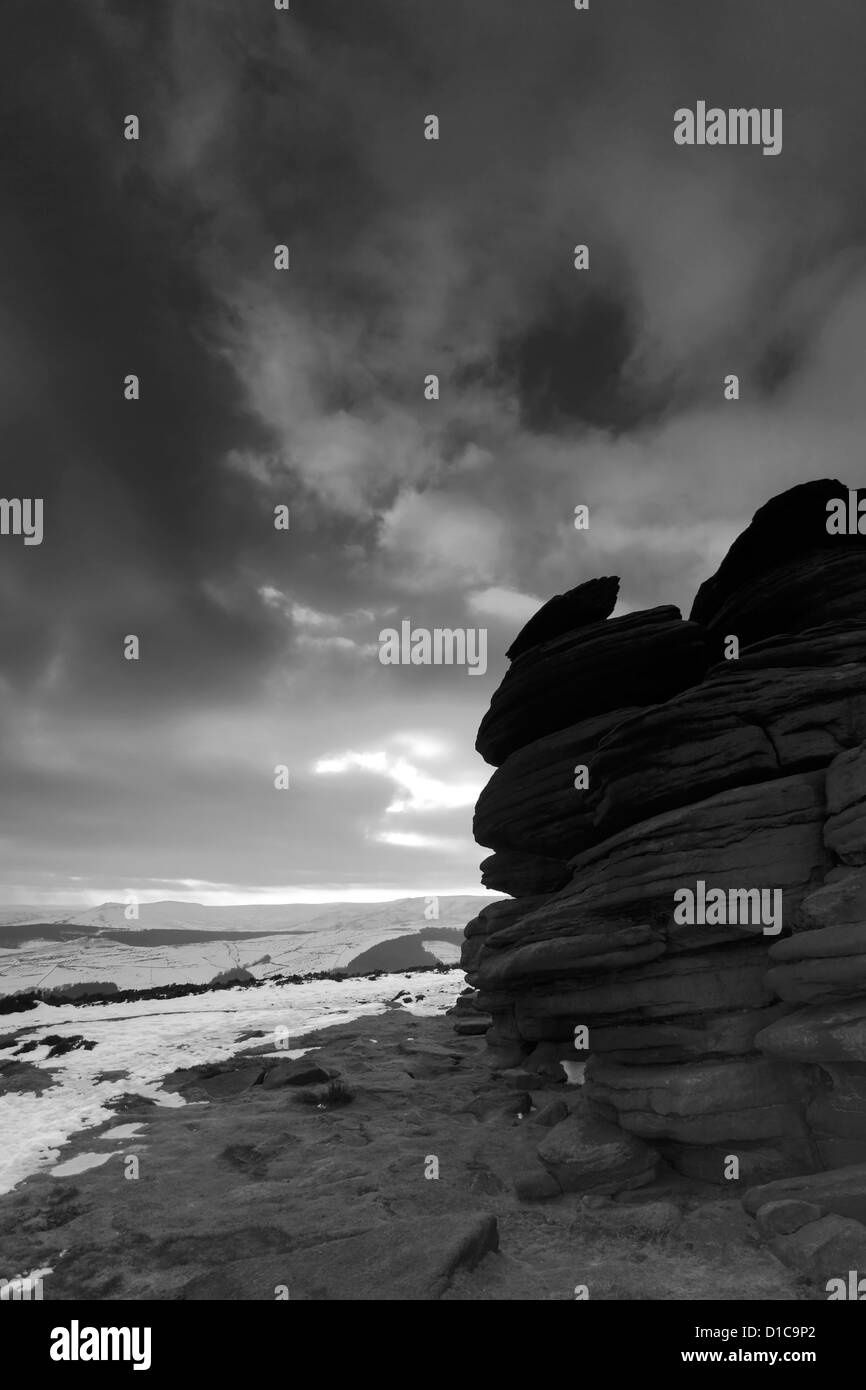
{"points": [[841, 1190], [229, 1083], [297, 1073], [783, 1217], [410, 1048], [834, 1032], [523, 875], [840, 900], [404, 1260], [698, 1103], [825, 1249], [834, 976]]}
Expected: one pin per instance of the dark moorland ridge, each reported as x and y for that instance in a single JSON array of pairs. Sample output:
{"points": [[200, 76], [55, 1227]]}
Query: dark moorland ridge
{"points": [[106, 992], [14, 935], [705, 1042]]}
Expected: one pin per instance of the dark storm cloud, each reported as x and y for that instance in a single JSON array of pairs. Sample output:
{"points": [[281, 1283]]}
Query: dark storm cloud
{"points": [[305, 388], [570, 366], [102, 281]]}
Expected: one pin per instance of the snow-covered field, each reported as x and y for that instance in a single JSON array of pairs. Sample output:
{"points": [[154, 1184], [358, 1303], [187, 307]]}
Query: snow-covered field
{"points": [[165, 944], [148, 1039], [49, 963]]}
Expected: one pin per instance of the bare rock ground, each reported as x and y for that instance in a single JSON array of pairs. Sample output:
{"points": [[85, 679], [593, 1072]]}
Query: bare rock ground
{"points": [[245, 1193]]}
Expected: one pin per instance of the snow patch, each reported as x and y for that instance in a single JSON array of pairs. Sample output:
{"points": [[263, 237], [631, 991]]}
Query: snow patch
{"points": [[147, 1039]]}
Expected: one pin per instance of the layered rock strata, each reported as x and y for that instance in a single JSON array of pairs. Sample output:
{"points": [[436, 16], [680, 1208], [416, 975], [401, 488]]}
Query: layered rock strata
{"points": [[637, 757]]}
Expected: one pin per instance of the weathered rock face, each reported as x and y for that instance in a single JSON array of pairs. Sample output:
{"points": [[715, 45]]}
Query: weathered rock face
{"points": [[509, 871], [530, 800], [786, 572], [635, 660], [845, 831], [724, 1026]]}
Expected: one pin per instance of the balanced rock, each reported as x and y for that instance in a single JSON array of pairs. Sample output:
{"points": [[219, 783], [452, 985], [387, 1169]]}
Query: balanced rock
{"points": [[587, 603]]}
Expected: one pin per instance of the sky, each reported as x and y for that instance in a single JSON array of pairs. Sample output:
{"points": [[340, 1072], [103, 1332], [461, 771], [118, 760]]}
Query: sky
{"points": [[305, 388]]}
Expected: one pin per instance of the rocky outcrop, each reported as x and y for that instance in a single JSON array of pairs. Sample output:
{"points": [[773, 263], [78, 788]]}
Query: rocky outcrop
{"points": [[634, 660], [786, 572], [529, 801], [681, 822]]}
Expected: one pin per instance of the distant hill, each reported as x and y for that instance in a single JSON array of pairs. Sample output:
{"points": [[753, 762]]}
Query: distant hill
{"points": [[188, 943], [406, 952], [168, 915]]}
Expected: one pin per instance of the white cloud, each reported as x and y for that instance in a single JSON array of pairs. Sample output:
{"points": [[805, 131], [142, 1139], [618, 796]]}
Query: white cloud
{"points": [[438, 540], [323, 634], [407, 840], [416, 791], [507, 604]]}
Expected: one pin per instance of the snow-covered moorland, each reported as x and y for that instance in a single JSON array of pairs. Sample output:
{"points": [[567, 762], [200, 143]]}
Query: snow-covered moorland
{"points": [[137, 1044]]}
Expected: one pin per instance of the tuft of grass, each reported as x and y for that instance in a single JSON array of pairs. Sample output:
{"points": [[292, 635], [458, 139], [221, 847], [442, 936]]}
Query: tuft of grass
{"points": [[336, 1093]]}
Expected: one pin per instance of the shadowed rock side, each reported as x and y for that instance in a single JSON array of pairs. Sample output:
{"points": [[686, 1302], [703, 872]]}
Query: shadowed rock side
{"points": [[702, 1042], [786, 571], [634, 660]]}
